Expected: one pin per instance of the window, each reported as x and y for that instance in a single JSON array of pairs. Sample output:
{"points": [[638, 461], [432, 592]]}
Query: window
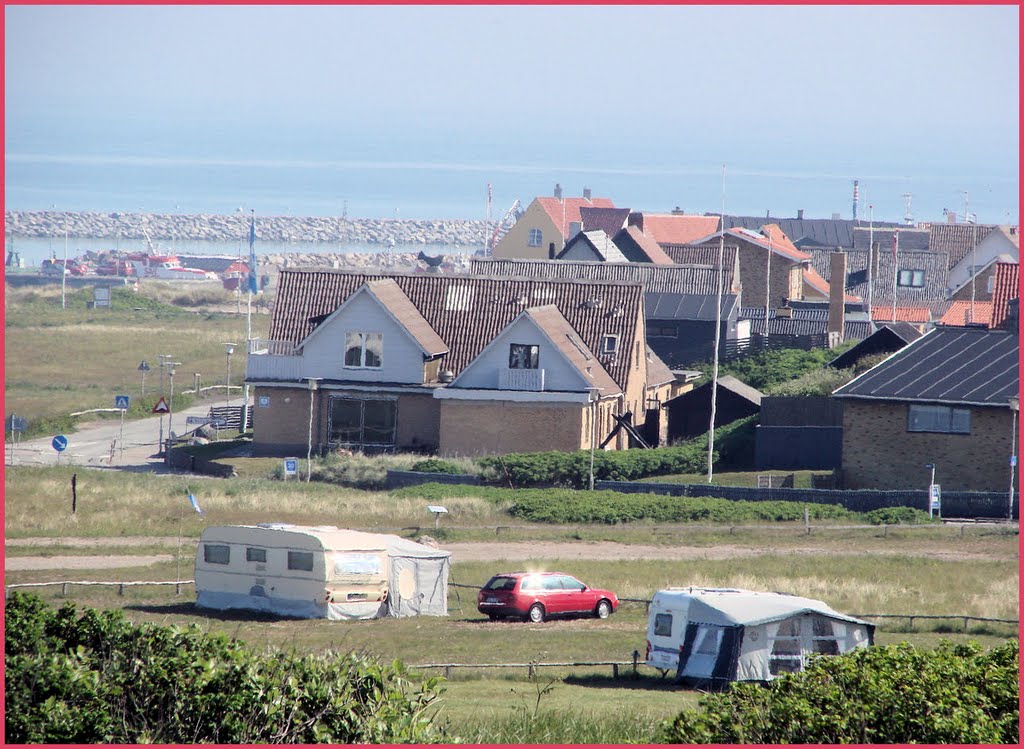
{"points": [[663, 625], [216, 553], [943, 419], [530, 583], [570, 583], [990, 284], [500, 583], [609, 344], [523, 356], [786, 657], [636, 358], [357, 564], [356, 421], [823, 639], [365, 350], [300, 560], [255, 555], [536, 238], [553, 583], [911, 278], [708, 641]]}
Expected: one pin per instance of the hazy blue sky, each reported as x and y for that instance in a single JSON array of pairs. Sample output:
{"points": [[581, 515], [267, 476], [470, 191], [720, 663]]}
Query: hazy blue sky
{"points": [[916, 91]]}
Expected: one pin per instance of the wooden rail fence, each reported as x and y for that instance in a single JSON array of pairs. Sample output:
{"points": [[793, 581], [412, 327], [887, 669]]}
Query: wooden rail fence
{"points": [[65, 584], [531, 667]]}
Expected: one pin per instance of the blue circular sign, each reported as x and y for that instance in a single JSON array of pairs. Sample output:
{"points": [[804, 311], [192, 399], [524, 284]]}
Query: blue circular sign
{"points": [[60, 442]]}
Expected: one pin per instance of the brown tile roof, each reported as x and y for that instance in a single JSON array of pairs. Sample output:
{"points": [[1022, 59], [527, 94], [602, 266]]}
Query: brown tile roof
{"points": [[702, 254], [813, 279], [570, 208], [666, 228], [389, 294], [565, 339], [959, 313], [770, 237], [639, 248], [883, 313], [658, 372], [467, 312], [679, 279], [956, 239], [608, 220], [1005, 288]]}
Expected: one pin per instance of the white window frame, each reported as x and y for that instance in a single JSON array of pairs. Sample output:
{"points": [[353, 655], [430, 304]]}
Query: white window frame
{"points": [[532, 360], [360, 338], [609, 344], [911, 278], [535, 238]]}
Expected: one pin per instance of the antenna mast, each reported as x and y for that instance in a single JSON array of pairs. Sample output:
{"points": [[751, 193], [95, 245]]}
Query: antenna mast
{"points": [[908, 217]]}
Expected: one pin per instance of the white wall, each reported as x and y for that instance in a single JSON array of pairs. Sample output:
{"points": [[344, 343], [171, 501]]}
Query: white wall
{"points": [[580, 251], [324, 354], [558, 373], [991, 247]]}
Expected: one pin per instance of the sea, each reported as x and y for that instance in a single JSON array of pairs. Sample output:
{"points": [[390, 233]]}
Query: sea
{"points": [[455, 178]]}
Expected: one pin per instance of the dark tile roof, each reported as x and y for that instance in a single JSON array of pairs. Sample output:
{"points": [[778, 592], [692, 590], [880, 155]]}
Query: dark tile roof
{"points": [[1005, 288], [565, 211], [608, 220], [936, 274], [910, 238], [680, 279], [639, 248], [888, 338], [213, 263], [702, 254], [805, 233], [806, 322], [956, 366], [664, 306], [467, 312], [956, 240]]}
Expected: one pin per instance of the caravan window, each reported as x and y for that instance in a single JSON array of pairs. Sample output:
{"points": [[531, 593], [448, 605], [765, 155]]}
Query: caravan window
{"points": [[708, 641], [786, 655], [255, 555], [824, 637], [216, 553], [663, 625], [300, 560], [357, 564]]}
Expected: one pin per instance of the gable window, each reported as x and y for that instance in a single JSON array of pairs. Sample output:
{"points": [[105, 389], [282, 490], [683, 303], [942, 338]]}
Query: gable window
{"points": [[216, 553], [913, 279], [523, 356], [364, 350], [363, 422], [609, 344], [536, 238], [943, 419]]}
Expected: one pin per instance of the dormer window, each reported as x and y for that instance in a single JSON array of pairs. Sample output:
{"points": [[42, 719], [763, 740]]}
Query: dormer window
{"points": [[913, 279], [364, 350], [536, 238], [609, 345], [523, 356]]}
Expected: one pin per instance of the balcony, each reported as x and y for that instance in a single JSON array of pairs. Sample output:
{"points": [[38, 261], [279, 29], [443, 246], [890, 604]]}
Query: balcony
{"points": [[273, 360], [521, 379]]}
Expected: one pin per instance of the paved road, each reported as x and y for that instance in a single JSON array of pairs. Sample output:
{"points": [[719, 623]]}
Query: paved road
{"points": [[102, 444]]}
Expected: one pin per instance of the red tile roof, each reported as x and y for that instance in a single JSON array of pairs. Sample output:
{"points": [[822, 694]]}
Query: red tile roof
{"points": [[667, 228], [567, 210], [776, 240], [959, 313], [644, 244], [1006, 287], [813, 279], [883, 313]]}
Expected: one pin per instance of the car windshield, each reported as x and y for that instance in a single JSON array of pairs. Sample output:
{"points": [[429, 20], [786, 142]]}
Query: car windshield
{"points": [[500, 583]]}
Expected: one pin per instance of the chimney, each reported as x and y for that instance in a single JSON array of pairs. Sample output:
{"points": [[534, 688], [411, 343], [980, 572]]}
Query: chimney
{"points": [[835, 216], [799, 214], [1012, 315], [551, 250], [558, 191], [677, 211], [836, 297], [586, 194], [636, 218]]}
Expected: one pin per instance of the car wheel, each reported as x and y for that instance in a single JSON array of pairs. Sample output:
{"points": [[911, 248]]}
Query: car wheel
{"points": [[535, 614], [493, 617], [603, 610]]}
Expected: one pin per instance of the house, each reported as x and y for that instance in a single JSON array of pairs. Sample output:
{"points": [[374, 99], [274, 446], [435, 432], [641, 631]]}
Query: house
{"points": [[1005, 296], [673, 229], [592, 245], [546, 226], [639, 248], [809, 233], [679, 300], [888, 339], [962, 313], [689, 414], [978, 287], [998, 243], [943, 400], [457, 364], [609, 220]]}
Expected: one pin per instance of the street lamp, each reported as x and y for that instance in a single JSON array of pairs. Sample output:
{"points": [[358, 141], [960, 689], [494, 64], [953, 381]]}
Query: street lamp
{"points": [[313, 385], [229, 349], [931, 488], [163, 363], [1014, 407]]}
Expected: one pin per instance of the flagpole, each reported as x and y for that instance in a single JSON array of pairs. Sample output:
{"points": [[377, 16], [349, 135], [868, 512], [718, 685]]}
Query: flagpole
{"points": [[177, 568], [248, 317], [871, 260], [718, 332]]}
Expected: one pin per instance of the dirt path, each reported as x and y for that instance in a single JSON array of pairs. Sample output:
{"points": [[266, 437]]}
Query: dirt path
{"points": [[465, 552]]}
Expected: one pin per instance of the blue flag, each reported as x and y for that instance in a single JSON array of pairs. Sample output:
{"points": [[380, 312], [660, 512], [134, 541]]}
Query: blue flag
{"points": [[192, 499], [253, 288]]}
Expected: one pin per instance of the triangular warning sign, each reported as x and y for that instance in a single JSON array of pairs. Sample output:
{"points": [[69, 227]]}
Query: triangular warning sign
{"points": [[161, 407]]}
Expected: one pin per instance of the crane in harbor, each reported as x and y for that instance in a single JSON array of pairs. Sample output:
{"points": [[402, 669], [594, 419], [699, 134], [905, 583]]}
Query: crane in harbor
{"points": [[501, 227]]}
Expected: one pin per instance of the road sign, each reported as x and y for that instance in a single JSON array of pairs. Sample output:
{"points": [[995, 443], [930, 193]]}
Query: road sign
{"points": [[935, 492], [291, 466], [144, 366], [214, 421], [161, 407], [60, 443], [16, 423], [121, 401]]}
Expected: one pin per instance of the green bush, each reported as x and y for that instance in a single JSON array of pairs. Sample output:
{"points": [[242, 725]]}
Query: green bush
{"points": [[816, 382], [899, 515], [435, 465], [956, 694], [95, 678]]}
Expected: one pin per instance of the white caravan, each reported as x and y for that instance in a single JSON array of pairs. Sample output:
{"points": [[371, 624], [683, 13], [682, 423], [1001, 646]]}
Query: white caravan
{"points": [[712, 636], [319, 572]]}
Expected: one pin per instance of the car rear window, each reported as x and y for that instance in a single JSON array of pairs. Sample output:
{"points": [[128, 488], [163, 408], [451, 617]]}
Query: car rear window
{"points": [[500, 583]]}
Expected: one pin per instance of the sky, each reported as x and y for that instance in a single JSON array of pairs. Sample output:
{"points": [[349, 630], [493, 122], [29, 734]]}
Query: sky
{"points": [[789, 91]]}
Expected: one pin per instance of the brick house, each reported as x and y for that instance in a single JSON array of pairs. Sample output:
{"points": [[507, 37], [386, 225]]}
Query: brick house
{"points": [[944, 399], [455, 364], [546, 225]]}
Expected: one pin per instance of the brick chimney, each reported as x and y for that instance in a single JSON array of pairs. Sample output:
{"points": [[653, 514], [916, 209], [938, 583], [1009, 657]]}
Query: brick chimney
{"points": [[836, 297], [586, 194], [558, 191], [799, 214]]}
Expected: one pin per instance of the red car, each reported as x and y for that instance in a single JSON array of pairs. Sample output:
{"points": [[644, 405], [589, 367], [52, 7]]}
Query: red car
{"points": [[534, 596]]}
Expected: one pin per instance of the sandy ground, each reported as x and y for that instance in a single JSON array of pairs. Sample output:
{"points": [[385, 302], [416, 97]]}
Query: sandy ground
{"points": [[461, 552]]}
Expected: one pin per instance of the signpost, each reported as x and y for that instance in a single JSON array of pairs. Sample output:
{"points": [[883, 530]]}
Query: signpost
{"points": [[161, 408], [60, 444], [291, 467], [144, 367], [15, 425], [935, 500], [121, 402]]}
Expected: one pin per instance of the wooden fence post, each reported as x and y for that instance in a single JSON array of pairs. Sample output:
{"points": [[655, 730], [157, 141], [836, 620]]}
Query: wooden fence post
{"points": [[615, 670], [63, 589], [636, 659]]}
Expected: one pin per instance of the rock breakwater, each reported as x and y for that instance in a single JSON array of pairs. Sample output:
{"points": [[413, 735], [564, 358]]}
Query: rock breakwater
{"points": [[457, 233]]}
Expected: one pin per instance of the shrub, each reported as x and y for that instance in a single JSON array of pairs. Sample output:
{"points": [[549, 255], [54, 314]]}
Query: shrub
{"points": [[435, 465], [956, 694], [899, 515], [816, 382], [94, 677]]}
